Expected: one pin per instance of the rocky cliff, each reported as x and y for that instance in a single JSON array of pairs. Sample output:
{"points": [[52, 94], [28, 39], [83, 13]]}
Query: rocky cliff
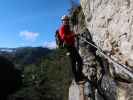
{"points": [[110, 23], [105, 45]]}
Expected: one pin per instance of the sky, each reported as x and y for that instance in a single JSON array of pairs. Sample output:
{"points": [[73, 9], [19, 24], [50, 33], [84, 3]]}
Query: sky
{"points": [[30, 22]]}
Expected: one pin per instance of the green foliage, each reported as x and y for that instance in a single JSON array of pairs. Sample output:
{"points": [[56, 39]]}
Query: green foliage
{"points": [[30, 55], [48, 79]]}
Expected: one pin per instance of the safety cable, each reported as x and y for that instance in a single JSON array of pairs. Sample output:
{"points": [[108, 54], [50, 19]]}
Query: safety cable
{"points": [[121, 66]]}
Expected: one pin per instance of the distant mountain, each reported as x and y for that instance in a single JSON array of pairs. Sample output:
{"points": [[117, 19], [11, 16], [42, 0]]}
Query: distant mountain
{"points": [[7, 50], [25, 55]]}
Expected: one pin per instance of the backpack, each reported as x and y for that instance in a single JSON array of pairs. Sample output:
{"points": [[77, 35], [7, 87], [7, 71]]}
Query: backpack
{"points": [[59, 42]]}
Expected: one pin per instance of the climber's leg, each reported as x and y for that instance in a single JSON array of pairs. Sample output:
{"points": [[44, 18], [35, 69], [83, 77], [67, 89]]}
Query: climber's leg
{"points": [[79, 61], [73, 64]]}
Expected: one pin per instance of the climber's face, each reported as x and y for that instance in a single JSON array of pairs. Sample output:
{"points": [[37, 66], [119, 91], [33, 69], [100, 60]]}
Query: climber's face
{"points": [[65, 21]]}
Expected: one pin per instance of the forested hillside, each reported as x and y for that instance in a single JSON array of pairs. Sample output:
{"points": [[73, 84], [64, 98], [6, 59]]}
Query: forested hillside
{"points": [[47, 78]]}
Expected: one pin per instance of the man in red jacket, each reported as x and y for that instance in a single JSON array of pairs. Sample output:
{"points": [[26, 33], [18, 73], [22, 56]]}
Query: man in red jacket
{"points": [[68, 38]]}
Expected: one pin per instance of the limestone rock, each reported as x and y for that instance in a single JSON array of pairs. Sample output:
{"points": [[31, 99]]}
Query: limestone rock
{"points": [[115, 18], [108, 25], [74, 91]]}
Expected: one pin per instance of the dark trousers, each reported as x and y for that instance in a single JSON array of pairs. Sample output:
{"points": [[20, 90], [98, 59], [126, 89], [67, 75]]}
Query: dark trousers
{"points": [[76, 62]]}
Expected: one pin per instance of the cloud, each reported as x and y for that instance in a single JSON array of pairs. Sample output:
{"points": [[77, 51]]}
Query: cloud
{"points": [[30, 36], [50, 45]]}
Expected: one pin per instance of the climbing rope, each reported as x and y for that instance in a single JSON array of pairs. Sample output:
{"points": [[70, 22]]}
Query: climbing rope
{"points": [[121, 67]]}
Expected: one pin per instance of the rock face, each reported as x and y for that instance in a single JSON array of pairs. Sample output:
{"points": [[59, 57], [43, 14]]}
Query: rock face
{"points": [[74, 92], [107, 24], [110, 23]]}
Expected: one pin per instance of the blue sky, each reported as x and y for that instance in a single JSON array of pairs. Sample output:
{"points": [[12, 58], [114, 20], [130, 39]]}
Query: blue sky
{"points": [[30, 22]]}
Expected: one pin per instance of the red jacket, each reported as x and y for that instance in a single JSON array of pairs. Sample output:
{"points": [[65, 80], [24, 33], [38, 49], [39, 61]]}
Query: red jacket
{"points": [[66, 35]]}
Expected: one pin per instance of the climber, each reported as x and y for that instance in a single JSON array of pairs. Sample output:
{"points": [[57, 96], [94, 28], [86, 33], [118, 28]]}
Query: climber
{"points": [[68, 39]]}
